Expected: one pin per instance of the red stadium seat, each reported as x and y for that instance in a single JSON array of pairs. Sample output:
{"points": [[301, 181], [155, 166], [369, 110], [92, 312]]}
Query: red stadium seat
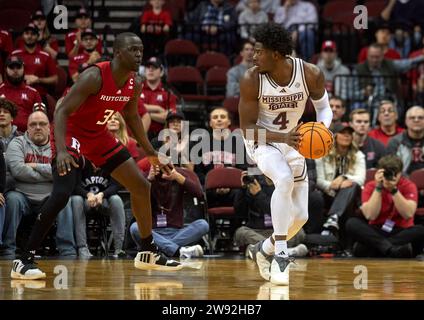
{"points": [[417, 177], [180, 52], [15, 19], [375, 7], [370, 174], [207, 60], [187, 81], [339, 11], [231, 104], [216, 81]]}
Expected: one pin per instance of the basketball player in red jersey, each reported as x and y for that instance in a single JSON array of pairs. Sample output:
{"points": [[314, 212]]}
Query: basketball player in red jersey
{"points": [[80, 129], [273, 96]]}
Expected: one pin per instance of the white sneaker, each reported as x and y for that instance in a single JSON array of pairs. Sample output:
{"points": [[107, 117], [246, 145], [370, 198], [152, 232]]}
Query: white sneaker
{"points": [[26, 270], [84, 253], [299, 251], [280, 270], [191, 252], [149, 260], [263, 260]]}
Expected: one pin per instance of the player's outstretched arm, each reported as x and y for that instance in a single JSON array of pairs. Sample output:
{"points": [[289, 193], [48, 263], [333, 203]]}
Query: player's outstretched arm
{"points": [[88, 83], [316, 85], [249, 110]]}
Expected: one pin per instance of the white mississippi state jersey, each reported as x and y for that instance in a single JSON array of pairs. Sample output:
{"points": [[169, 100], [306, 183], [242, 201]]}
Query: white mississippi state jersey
{"points": [[280, 108]]}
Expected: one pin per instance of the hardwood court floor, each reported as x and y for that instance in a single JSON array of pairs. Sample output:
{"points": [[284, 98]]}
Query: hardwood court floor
{"points": [[209, 278]]}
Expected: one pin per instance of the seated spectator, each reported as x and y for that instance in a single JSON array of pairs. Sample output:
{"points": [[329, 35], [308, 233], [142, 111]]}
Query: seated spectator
{"points": [[409, 145], [89, 55], [338, 107], [178, 150], [370, 147], [268, 6], [218, 21], [315, 201], [253, 202], [401, 41], [340, 175], [378, 77], [117, 126], [235, 73], [28, 159], [155, 27], [332, 67], [8, 111], [387, 117], [249, 17], [40, 68], [169, 232], [156, 99], [15, 90], [6, 48], [8, 131], [2, 189], [388, 203], [403, 12], [383, 37], [97, 194], [73, 41], [46, 41], [295, 15]]}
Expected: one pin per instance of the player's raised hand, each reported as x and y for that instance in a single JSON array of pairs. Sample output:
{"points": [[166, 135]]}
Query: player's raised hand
{"points": [[293, 137], [65, 162]]}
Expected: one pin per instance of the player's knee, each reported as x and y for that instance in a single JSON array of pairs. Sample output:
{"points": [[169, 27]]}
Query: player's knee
{"points": [[284, 184]]}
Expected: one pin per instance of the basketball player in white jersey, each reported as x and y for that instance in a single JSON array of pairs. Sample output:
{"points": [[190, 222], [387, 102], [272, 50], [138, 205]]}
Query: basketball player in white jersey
{"points": [[273, 95]]}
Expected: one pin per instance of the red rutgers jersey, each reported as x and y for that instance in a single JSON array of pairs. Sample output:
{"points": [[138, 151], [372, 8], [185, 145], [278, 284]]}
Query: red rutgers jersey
{"points": [[86, 131], [92, 116]]}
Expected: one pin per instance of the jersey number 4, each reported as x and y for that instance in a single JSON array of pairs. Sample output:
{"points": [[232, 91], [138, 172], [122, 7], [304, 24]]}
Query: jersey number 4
{"points": [[106, 117], [281, 120]]}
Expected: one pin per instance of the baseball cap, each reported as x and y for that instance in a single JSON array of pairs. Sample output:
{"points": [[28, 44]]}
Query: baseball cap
{"points": [[154, 61], [173, 115], [14, 60], [82, 12], [31, 27], [38, 14], [339, 127], [328, 44], [88, 31]]}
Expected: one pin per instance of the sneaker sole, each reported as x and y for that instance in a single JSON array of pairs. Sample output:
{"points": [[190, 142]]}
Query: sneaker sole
{"points": [[17, 275], [147, 266], [279, 282]]}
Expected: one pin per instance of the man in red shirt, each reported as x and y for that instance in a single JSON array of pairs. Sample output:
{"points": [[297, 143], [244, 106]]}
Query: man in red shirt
{"points": [[157, 100], [80, 130], [6, 47], [389, 204], [73, 41], [40, 68], [382, 37], [15, 90], [387, 117], [89, 56]]}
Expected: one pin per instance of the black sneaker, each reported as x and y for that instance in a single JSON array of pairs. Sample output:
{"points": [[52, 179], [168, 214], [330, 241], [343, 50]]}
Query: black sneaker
{"points": [[149, 260], [404, 251], [26, 269]]}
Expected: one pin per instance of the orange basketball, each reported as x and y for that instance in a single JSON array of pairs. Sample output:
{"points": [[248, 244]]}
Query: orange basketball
{"points": [[317, 140]]}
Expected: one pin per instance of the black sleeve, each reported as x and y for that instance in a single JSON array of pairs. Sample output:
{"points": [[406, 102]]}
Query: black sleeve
{"points": [[112, 189], [2, 169], [240, 203]]}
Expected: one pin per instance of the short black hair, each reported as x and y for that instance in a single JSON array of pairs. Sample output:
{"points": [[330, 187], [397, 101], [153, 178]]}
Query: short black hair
{"points": [[121, 40], [10, 106], [274, 37]]}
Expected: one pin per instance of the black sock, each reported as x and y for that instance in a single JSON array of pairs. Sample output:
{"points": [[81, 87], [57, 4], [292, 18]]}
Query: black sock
{"points": [[147, 244]]}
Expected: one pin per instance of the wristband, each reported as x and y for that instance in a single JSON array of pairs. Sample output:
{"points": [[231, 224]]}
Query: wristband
{"points": [[378, 188], [394, 191]]}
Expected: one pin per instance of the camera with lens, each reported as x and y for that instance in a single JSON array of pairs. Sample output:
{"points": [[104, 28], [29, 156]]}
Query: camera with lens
{"points": [[389, 174], [248, 180]]}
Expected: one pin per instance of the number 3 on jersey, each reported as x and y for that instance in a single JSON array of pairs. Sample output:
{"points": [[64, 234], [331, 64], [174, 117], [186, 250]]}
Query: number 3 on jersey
{"points": [[281, 120], [106, 117]]}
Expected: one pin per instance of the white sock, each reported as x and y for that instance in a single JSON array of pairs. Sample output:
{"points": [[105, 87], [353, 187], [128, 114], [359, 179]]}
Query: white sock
{"points": [[268, 247], [281, 248]]}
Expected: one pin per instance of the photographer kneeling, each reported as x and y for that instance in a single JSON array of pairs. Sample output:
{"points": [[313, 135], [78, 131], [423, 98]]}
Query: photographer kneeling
{"points": [[253, 201], [389, 204]]}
